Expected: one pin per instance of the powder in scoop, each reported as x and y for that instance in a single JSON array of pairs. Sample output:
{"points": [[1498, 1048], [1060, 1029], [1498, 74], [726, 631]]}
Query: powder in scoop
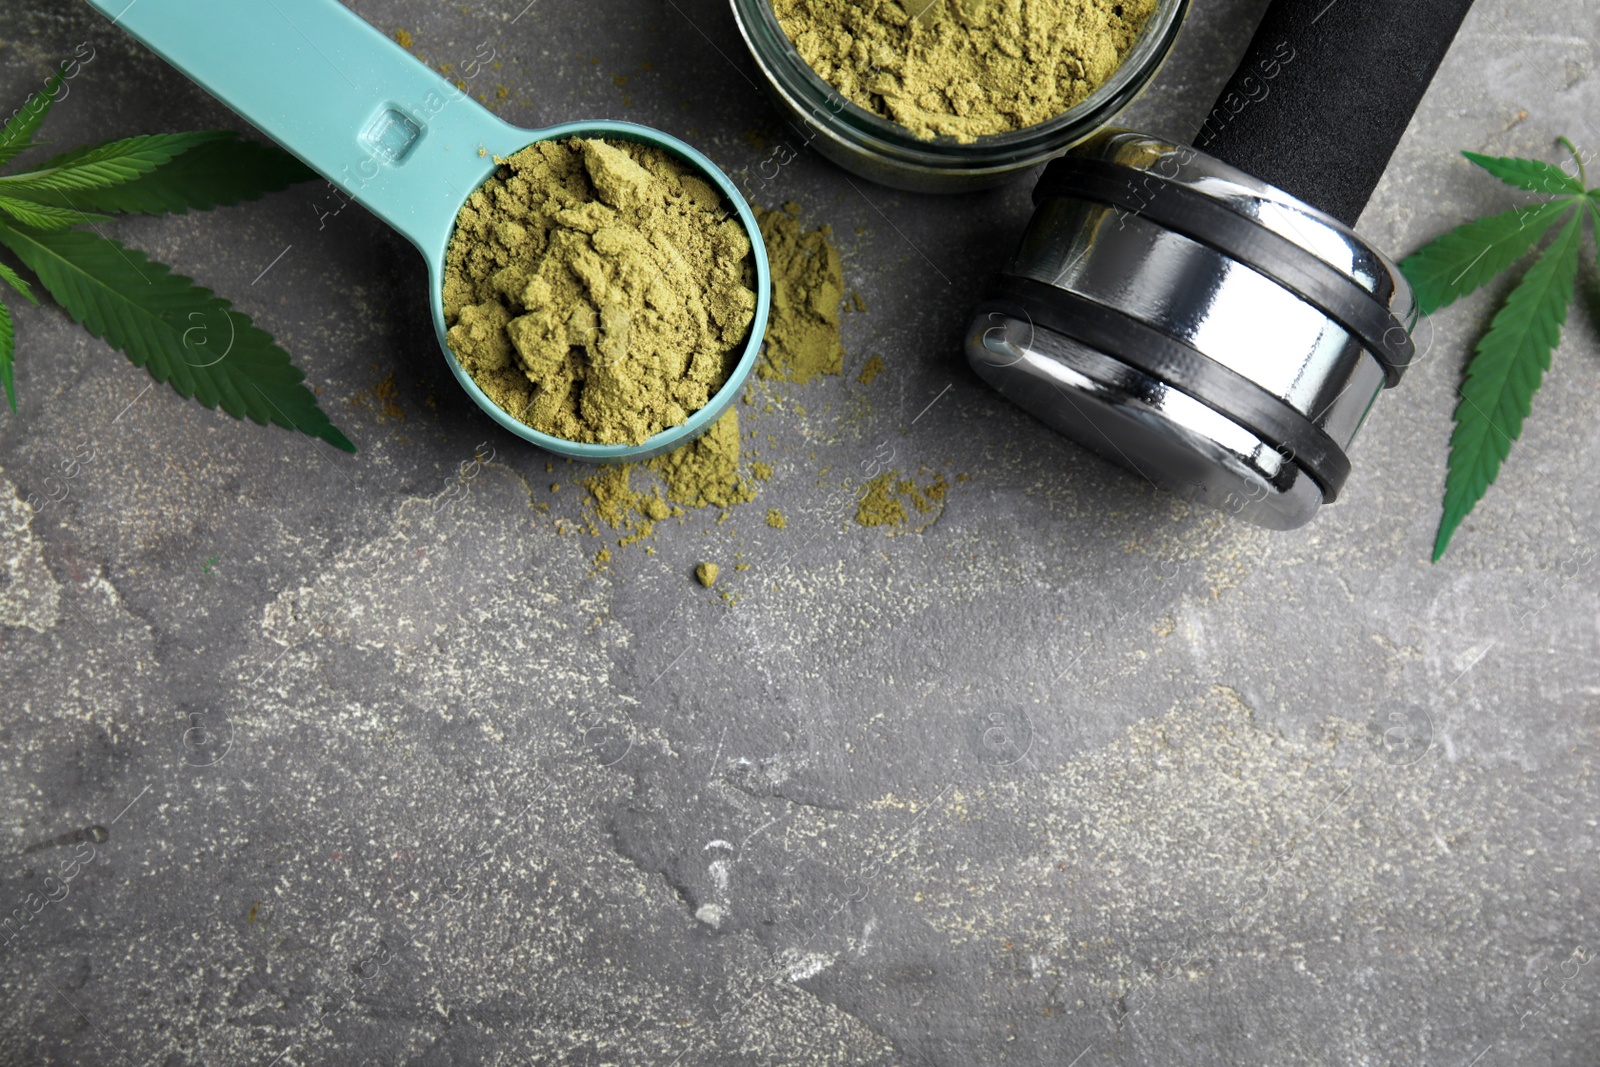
{"points": [[807, 288], [964, 68], [598, 291]]}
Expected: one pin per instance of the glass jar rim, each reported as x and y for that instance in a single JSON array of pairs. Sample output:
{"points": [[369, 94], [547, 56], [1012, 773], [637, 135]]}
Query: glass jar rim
{"points": [[794, 77]]}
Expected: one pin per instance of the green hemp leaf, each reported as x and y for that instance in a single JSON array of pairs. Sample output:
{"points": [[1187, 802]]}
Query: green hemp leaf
{"points": [[1511, 357], [182, 334]]}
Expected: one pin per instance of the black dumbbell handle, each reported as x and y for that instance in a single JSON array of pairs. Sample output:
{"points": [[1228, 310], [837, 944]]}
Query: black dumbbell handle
{"points": [[1325, 91]]}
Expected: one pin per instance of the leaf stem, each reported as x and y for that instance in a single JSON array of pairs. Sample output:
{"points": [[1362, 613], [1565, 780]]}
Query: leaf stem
{"points": [[1576, 158]]}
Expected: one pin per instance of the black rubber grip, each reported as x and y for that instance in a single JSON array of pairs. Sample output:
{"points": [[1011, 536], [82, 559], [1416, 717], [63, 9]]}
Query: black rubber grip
{"points": [[1200, 218], [1324, 93], [1186, 369]]}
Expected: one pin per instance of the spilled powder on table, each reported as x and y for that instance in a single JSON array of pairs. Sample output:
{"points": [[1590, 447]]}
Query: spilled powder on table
{"points": [[802, 341], [807, 289], [706, 470], [889, 500], [703, 473]]}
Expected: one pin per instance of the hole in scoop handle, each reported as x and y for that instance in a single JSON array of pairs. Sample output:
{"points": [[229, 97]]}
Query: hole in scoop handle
{"points": [[1324, 93], [392, 134]]}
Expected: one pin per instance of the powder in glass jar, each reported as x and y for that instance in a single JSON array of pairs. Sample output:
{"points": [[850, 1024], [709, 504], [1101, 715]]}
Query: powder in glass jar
{"points": [[964, 68]]}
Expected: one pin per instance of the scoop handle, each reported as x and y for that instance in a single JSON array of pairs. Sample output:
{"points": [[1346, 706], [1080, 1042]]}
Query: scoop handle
{"points": [[1325, 91], [355, 106]]}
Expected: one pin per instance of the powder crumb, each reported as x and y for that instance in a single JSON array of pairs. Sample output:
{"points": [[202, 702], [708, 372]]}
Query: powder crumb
{"points": [[761, 471], [403, 39], [602, 557], [706, 574], [388, 393], [870, 370], [741, 566], [614, 501], [892, 501], [597, 291], [807, 289], [860, 304], [775, 519], [879, 506]]}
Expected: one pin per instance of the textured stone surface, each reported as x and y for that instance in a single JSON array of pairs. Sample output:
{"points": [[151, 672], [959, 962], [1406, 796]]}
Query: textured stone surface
{"points": [[1074, 775]]}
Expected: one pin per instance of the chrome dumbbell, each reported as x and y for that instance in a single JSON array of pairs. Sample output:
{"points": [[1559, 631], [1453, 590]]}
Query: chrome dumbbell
{"points": [[1207, 316]]}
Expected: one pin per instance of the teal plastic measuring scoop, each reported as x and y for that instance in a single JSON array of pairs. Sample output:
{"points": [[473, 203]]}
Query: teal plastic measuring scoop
{"points": [[398, 139]]}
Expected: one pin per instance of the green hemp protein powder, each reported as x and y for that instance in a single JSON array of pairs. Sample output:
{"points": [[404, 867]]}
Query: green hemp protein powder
{"points": [[598, 291], [964, 68]]}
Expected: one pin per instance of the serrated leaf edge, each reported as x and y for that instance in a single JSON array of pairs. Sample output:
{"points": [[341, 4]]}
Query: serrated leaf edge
{"points": [[19, 283], [1568, 183], [1557, 209], [107, 164], [186, 384], [9, 151], [1573, 233], [8, 351]]}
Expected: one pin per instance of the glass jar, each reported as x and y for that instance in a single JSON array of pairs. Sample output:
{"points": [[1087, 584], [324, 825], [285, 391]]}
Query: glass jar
{"points": [[885, 152]]}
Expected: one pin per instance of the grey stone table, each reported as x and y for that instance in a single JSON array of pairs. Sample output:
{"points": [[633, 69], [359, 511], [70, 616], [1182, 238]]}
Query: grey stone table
{"points": [[393, 773]]}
